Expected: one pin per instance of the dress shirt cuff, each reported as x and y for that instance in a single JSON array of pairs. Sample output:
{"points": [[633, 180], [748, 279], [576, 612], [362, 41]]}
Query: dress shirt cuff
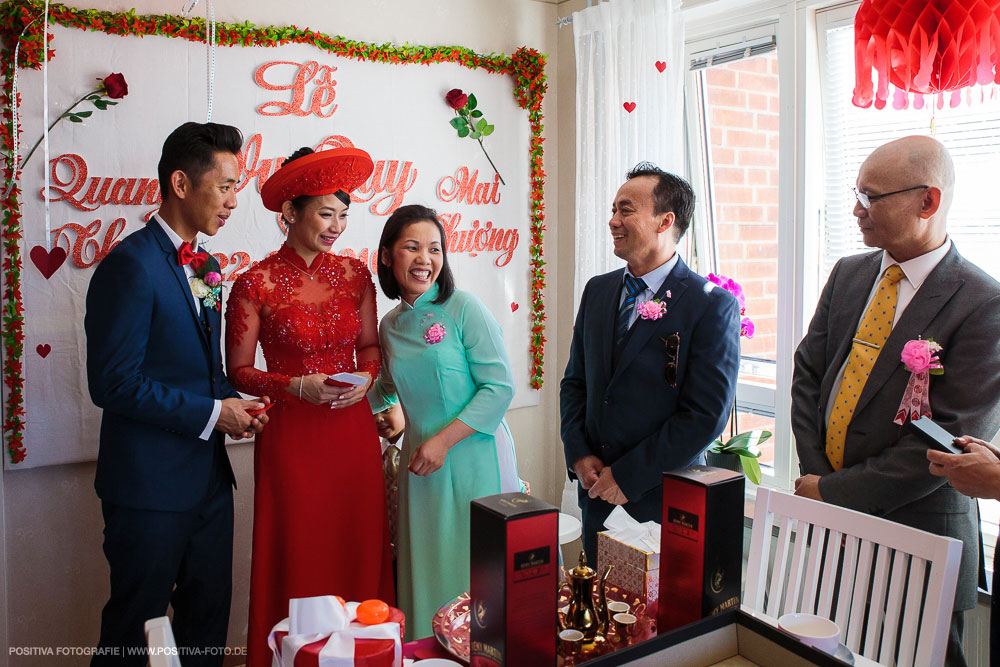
{"points": [[210, 426]]}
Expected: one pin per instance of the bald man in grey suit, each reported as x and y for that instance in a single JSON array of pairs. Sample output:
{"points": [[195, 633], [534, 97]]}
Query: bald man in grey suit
{"points": [[904, 190]]}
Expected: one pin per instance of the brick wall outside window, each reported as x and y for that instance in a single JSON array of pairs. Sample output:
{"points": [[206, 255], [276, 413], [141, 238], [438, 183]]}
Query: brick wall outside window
{"points": [[742, 118]]}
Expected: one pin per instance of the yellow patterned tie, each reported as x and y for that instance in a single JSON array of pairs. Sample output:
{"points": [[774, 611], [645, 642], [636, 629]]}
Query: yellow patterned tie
{"points": [[872, 333]]}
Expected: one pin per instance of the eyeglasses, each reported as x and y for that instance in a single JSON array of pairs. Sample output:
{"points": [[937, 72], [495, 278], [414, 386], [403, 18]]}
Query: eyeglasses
{"points": [[867, 200], [672, 344]]}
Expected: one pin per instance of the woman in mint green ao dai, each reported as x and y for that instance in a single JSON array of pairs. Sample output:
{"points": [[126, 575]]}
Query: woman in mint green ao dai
{"points": [[444, 356]]}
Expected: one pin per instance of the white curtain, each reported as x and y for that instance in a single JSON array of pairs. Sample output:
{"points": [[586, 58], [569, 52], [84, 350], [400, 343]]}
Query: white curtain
{"points": [[618, 45]]}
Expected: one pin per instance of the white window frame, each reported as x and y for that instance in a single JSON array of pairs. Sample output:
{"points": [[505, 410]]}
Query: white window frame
{"points": [[799, 27], [713, 25]]}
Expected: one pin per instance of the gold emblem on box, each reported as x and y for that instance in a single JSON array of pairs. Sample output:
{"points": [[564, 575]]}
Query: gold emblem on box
{"points": [[480, 614]]}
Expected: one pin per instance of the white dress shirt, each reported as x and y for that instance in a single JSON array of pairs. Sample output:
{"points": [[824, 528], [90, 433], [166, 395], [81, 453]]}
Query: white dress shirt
{"points": [[654, 280], [189, 272]]}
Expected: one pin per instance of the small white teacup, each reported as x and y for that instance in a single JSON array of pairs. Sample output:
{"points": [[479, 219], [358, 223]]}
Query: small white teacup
{"points": [[812, 630], [571, 641], [615, 607], [624, 625]]}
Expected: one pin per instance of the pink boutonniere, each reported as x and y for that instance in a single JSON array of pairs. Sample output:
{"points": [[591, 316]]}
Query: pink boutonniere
{"points": [[435, 333], [652, 310], [920, 358], [207, 286]]}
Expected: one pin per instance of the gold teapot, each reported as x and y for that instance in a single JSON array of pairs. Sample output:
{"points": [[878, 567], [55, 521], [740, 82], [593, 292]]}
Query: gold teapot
{"points": [[582, 614]]}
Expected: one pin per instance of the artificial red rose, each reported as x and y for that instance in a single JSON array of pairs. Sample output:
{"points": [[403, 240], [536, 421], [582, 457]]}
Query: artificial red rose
{"points": [[115, 86], [456, 99]]}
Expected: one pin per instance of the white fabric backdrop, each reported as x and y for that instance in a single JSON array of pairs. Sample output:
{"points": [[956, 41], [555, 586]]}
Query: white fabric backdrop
{"points": [[618, 45], [395, 112]]}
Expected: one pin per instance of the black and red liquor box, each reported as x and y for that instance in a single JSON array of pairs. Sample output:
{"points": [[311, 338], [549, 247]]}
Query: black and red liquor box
{"points": [[701, 544], [512, 587]]}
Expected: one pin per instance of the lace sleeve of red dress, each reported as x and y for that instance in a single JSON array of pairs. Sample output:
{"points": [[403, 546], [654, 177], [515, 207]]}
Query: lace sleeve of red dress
{"points": [[367, 349], [243, 319]]}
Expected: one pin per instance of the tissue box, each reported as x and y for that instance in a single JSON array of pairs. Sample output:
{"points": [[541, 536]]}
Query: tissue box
{"points": [[635, 570], [701, 544], [512, 581]]}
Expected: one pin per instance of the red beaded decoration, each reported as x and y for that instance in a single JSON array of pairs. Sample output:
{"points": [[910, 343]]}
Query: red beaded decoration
{"points": [[308, 319]]}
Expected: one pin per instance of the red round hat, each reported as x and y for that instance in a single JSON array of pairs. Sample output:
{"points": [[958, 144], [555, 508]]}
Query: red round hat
{"points": [[319, 173]]}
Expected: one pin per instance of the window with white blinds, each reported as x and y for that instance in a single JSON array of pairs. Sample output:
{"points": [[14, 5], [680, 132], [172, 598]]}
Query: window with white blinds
{"points": [[971, 131]]}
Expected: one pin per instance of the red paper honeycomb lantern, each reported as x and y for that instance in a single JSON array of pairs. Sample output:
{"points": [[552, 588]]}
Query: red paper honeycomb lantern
{"points": [[924, 46]]}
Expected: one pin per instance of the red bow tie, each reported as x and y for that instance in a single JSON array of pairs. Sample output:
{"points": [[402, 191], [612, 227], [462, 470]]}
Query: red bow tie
{"points": [[187, 256]]}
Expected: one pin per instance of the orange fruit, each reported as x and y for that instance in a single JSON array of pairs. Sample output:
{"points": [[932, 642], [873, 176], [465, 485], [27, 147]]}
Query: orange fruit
{"points": [[372, 612]]}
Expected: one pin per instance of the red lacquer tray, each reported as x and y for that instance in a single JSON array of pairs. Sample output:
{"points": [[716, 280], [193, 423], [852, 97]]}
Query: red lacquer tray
{"points": [[451, 622]]}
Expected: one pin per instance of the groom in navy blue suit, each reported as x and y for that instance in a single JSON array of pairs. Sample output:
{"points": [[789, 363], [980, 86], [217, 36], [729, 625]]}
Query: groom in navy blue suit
{"points": [[646, 390], [154, 365]]}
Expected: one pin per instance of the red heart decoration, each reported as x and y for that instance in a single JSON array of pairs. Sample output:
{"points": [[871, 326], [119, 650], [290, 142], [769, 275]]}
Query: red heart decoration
{"points": [[629, 106], [660, 65], [514, 306], [43, 350], [48, 261]]}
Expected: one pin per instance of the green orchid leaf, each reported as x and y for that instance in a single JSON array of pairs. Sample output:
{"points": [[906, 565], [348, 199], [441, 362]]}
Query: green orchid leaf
{"points": [[471, 104], [477, 113], [488, 130], [751, 468], [463, 131], [747, 440], [481, 125], [743, 451]]}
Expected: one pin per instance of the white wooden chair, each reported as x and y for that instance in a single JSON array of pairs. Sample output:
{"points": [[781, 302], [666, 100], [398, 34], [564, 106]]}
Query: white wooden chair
{"points": [[160, 640], [881, 582]]}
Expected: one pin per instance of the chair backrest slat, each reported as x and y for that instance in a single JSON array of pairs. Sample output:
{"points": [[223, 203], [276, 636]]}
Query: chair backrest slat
{"points": [[876, 601], [828, 579], [846, 592], [796, 569], [911, 615], [897, 588], [778, 581], [859, 601], [757, 562], [817, 538]]}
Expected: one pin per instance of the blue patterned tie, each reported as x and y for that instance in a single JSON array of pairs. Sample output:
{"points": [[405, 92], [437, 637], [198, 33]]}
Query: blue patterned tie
{"points": [[634, 287]]}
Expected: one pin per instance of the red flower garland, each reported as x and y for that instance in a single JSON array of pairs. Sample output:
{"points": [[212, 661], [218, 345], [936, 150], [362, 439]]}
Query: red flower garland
{"points": [[526, 66]]}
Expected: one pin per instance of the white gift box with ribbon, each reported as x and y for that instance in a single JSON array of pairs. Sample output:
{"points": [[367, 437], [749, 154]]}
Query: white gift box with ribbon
{"points": [[312, 619]]}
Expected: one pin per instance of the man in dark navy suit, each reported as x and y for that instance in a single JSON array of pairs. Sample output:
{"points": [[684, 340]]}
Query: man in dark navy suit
{"points": [[154, 365], [652, 370]]}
